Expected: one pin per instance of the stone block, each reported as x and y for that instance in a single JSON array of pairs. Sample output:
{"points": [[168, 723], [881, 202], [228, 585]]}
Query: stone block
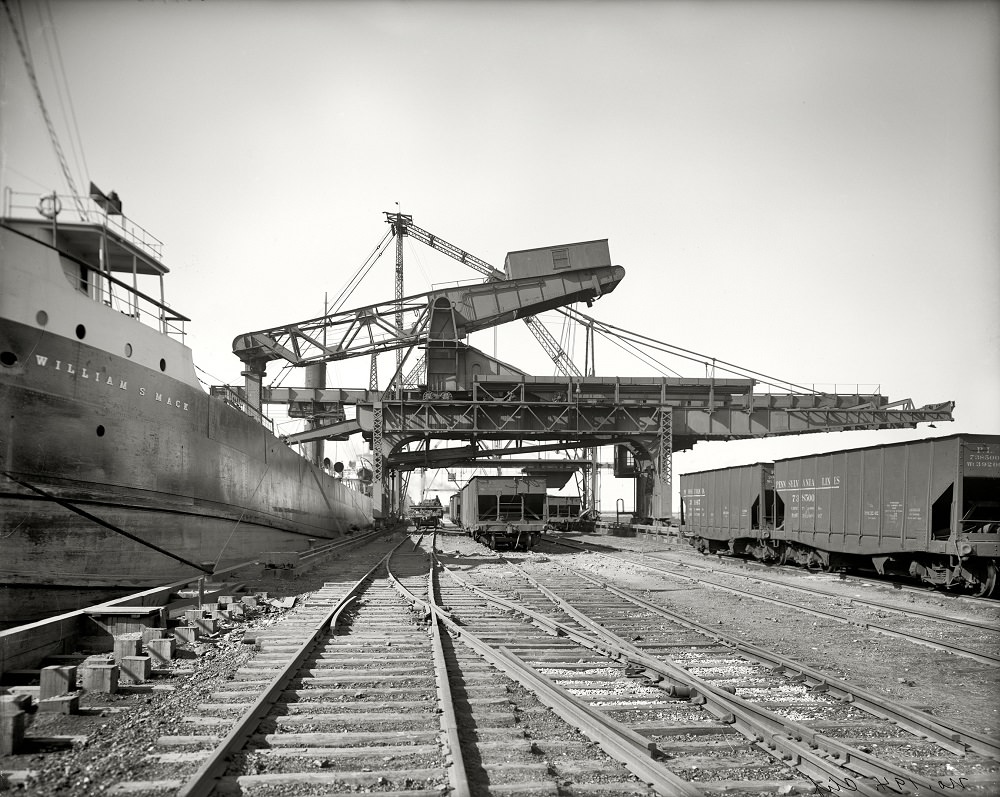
{"points": [[61, 704], [192, 616], [137, 669], [127, 646], [249, 601], [161, 650], [206, 625], [55, 681], [11, 724], [101, 678], [152, 633], [186, 634]]}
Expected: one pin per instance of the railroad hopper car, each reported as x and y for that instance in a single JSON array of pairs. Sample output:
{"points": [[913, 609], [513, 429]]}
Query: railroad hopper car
{"points": [[427, 514], [455, 509], [563, 512], [927, 508], [504, 512]]}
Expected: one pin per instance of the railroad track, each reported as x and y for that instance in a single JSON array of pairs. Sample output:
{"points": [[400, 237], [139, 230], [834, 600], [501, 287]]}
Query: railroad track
{"points": [[365, 690], [976, 640], [413, 681], [668, 543], [837, 736]]}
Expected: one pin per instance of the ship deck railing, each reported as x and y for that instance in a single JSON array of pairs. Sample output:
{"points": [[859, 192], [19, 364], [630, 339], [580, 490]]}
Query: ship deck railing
{"points": [[107, 243], [234, 398], [19, 204]]}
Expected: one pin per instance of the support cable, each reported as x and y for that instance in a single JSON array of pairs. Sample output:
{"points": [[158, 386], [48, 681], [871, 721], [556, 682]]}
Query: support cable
{"points": [[53, 136], [76, 140], [83, 513], [687, 354]]}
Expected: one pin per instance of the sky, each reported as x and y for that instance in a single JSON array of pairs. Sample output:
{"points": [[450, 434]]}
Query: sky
{"points": [[809, 190]]}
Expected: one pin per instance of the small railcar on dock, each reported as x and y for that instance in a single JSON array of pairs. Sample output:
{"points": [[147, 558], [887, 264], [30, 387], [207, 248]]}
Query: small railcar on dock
{"points": [[563, 512], [504, 512]]}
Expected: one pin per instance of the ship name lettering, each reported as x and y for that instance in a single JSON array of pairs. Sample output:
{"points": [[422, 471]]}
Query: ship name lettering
{"points": [[42, 360]]}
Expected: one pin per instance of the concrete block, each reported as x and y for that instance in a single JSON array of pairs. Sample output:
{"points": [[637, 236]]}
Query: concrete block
{"points": [[128, 646], [192, 616], [152, 633], [236, 611], [186, 634], [101, 678], [161, 650], [61, 704], [280, 573], [249, 601], [11, 725], [226, 600], [137, 669], [206, 625], [55, 681]]}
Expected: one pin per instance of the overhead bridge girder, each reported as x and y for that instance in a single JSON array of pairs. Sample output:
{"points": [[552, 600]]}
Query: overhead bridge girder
{"points": [[604, 409], [553, 420], [654, 417]]}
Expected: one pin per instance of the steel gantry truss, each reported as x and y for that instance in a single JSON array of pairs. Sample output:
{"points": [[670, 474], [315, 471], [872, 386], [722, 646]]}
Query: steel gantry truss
{"points": [[403, 225], [487, 401], [653, 416]]}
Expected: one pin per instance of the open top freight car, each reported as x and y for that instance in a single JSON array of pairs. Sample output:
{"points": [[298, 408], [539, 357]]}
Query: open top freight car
{"points": [[505, 512], [563, 512], [928, 508], [427, 514]]}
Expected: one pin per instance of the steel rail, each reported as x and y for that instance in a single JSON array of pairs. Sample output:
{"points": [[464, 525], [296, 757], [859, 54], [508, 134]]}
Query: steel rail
{"points": [[983, 658], [636, 752], [206, 779], [792, 741], [949, 735], [921, 613], [457, 774], [633, 750]]}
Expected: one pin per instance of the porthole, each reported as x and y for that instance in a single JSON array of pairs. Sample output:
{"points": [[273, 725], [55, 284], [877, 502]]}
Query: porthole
{"points": [[42, 318], [100, 431], [8, 358], [128, 349], [163, 364], [81, 331]]}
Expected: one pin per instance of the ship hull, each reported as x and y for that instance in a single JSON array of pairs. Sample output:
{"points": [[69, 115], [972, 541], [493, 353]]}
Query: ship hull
{"points": [[144, 450]]}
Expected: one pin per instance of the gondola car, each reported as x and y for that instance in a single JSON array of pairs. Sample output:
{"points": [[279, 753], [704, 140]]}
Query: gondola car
{"points": [[563, 512], [927, 508], [504, 512]]}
